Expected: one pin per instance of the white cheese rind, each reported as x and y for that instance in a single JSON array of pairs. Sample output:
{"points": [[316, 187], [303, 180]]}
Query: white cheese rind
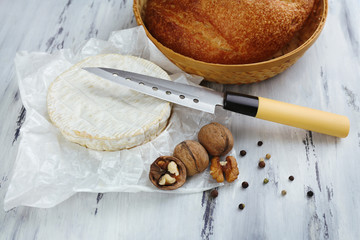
{"points": [[103, 115]]}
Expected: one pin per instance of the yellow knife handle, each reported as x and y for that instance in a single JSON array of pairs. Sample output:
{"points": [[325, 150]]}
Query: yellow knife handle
{"points": [[288, 114], [303, 117]]}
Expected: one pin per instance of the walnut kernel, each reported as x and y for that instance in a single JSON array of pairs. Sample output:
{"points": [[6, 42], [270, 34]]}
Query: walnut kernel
{"points": [[166, 180], [219, 169]]}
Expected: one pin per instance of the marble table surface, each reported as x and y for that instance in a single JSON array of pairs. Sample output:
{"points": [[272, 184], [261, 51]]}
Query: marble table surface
{"points": [[326, 77]]}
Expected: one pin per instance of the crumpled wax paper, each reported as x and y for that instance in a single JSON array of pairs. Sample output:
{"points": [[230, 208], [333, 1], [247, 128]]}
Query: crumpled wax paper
{"points": [[49, 169]]}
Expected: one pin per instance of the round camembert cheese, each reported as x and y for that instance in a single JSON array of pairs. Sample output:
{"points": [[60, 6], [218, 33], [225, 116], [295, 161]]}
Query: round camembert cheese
{"points": [[103, 115]]}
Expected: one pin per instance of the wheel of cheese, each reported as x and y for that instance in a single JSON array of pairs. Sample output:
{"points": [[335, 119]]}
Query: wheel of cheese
{"points": [[103, 115]]}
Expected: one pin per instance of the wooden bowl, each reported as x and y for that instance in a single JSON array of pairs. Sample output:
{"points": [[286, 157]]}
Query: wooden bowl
{"points": [[246, 73]]}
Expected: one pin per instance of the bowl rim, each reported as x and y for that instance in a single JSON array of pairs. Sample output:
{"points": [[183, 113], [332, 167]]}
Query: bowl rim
{"points": [[284, 57]]}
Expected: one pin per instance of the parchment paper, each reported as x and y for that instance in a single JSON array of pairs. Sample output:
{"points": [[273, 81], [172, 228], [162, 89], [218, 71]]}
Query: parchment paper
{"points": [[49, 169]]}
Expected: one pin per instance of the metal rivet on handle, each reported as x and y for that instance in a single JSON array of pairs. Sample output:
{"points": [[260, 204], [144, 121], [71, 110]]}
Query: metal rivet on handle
{"points": [[181, 96]]}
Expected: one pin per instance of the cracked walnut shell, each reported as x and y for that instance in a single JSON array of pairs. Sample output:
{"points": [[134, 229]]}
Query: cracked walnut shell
{"points": [[167, 173], [228, 168]]}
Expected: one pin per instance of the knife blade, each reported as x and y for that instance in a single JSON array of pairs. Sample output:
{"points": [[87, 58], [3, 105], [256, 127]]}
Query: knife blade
{"points": [[203, 99], [206, 99]]}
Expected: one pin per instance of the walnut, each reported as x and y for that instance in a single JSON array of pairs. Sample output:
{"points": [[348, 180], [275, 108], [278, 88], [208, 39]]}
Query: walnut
{"points": [[216, 170], [167, 173], [193, 155], [216, 139], [220, 168], [172, 168], [167, 180]]}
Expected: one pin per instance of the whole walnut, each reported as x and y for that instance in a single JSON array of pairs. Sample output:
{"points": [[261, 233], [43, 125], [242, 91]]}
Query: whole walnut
{"points": [[193, 155], [216, 139]]}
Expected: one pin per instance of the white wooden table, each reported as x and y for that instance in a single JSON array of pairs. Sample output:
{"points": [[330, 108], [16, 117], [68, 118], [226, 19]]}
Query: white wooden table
{"points": [[326, 77]]}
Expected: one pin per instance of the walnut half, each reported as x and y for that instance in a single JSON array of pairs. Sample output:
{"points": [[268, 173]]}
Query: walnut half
{"points": [[228, 168], [167, 173]]}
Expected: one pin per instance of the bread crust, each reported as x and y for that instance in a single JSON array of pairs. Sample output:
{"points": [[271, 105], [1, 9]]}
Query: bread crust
{"points": [[226, 31]]}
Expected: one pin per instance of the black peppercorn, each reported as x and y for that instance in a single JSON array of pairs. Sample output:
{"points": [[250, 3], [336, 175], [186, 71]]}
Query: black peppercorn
{"points": [[262, 164], [244, 184], [214, 193], [260, 143], [241, 206], [310, 193], [242, 153], [291, 178]]}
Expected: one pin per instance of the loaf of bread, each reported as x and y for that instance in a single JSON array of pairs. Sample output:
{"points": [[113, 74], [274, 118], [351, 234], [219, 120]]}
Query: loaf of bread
{"points": [[226, 31]]}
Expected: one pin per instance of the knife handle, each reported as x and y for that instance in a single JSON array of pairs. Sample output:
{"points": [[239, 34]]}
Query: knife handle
{"points": [[288, 114]]}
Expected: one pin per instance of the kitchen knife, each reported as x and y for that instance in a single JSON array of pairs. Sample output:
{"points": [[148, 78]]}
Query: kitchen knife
{"points": [[206, 99]]}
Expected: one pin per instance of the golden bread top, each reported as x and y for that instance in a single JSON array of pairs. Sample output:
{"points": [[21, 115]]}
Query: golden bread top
{"points": [[226, 31]]}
